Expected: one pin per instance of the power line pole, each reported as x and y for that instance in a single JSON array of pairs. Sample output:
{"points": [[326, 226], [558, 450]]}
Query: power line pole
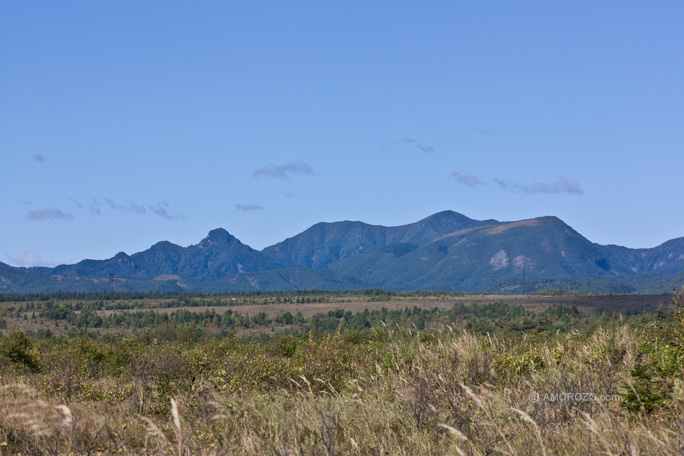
{"points": [[111, 283], [523, 282]]}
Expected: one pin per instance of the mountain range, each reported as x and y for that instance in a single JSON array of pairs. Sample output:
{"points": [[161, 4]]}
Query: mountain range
{"points": [[446, 251]]}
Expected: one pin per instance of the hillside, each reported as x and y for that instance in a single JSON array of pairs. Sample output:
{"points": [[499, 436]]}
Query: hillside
{"points": [[218, 255], [446, 251], [667, 258], [325, 243], [471, 260]]}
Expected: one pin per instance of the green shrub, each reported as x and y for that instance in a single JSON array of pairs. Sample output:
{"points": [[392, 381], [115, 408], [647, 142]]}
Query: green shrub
{"points": [[18, 348]]}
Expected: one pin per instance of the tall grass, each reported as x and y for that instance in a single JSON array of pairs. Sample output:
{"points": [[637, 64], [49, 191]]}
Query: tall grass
{"points": [[437, 392]]}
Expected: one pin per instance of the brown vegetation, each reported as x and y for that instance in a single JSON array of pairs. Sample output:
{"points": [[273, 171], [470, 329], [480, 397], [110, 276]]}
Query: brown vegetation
{"points": [[611, 389]]}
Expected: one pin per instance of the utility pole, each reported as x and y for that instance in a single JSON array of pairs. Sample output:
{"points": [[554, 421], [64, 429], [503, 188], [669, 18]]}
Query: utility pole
{"points": [[523, 282], [111, 283]]}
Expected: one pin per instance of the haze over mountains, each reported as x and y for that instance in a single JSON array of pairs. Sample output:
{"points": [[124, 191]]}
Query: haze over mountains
{"points": [[446, 251]]}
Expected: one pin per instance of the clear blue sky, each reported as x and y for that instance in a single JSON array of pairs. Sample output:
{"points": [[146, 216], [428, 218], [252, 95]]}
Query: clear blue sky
{"points": [[126, 123]]}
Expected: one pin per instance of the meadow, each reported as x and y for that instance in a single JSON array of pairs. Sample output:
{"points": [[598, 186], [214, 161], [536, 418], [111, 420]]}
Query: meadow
{"points": [[325, 373]]}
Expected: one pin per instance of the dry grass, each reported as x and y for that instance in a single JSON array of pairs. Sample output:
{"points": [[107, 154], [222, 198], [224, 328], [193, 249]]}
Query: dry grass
{"points": [[438, 393], [587, 304]]}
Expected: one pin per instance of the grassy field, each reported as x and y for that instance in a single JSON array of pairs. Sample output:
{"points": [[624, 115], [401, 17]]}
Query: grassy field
{"points": [[478, 375], [271, 306], [588, 304]]}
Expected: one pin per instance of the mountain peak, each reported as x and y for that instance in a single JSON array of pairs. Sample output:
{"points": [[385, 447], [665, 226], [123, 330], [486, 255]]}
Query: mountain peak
{"points": [[454, 220], [218, 236], [550, 219], [164, 247], [444, 251], [121, 258], [445, 215]]}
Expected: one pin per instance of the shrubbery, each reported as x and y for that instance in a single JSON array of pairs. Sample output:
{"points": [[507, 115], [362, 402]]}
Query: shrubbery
{"points": [[417, 381]]}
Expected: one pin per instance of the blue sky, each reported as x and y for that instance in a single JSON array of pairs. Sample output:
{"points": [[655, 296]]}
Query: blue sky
{"points": [[126, 123]]}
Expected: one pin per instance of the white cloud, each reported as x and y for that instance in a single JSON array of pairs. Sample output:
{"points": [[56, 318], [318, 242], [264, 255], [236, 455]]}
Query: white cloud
{"points": [[463, 177], [94, 207], [425, 148], [485, 132], [283, 171], [133, 207], [161, 210], [48, 213], [560, 185], [29, 260], [248, 207]]}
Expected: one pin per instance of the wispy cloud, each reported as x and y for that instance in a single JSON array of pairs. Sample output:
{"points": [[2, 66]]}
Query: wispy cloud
{"points": [[283, 172], [465, 178], [75, 203], [161, 210], [94, 206], [132, 207], [425, 148], [48, 213], [113, 205], [28, 260], [38, 158], [249, 207], [560, 185], [485, 132], [136, 208]]}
